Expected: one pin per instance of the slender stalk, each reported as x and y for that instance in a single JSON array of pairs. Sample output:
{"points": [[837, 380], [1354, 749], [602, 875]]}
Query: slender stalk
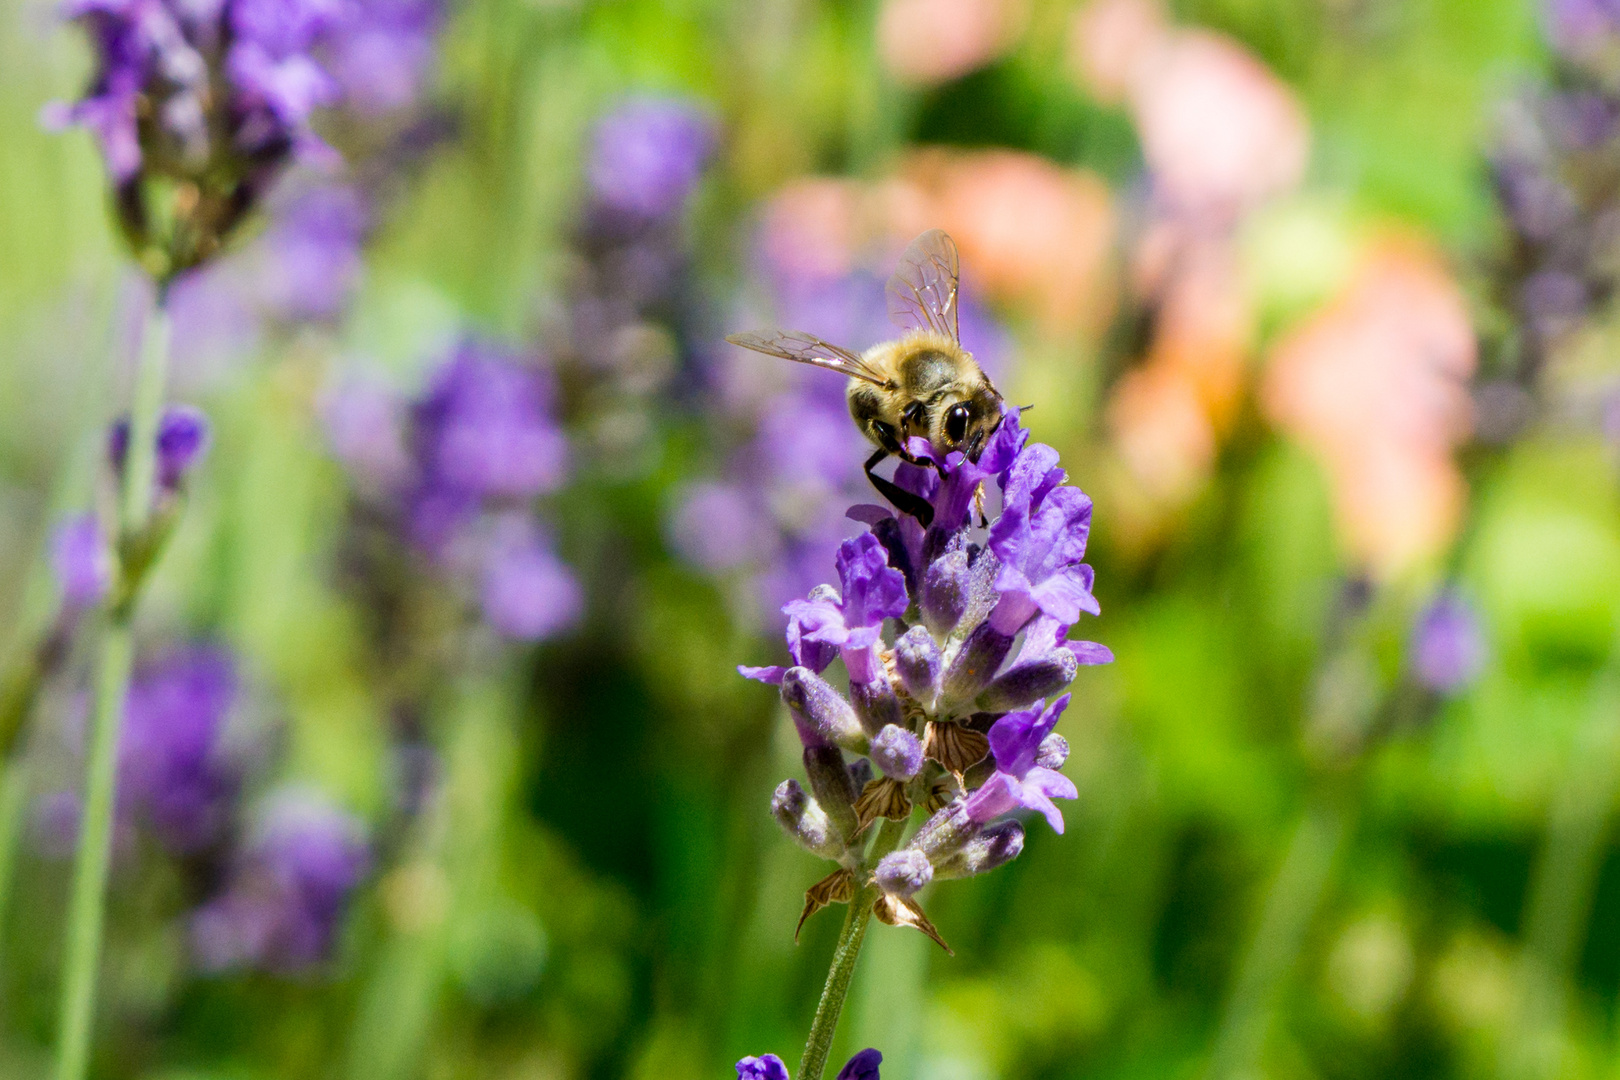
{"points": [[86, 913], [1291, 905], [839, 976], [1561, 892], [850, 939]]}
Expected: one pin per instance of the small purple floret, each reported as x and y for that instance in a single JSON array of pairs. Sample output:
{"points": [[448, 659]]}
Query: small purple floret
{"points": [[765, 1067], [1018, 781], [1448, 645]]}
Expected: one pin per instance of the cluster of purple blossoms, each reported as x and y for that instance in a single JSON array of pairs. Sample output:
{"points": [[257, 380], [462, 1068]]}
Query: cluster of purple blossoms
{"points": [[863, 1066], [954, 644], [1553, 165], [775, 515], [286, 890], [457, 473], [621, 330], [219, 97], [179, 774]]}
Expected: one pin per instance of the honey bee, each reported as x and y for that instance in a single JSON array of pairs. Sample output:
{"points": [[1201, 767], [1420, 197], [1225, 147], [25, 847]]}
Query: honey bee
{"points": [[922, 384]]}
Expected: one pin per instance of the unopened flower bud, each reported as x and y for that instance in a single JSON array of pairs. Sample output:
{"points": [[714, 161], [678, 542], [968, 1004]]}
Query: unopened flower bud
{"points": [[904, 872], [1026, 683], [918, 662], [1053, 752], [181, 439], [997, 845], [834, 788], [875, 704], [975, 663], [944, 834], [897, 752], [820, 713], [945, 592], [802, 818]]}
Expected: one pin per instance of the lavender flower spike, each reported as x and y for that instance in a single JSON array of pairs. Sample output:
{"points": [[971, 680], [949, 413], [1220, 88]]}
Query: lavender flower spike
{"points": [[1018, 781]]}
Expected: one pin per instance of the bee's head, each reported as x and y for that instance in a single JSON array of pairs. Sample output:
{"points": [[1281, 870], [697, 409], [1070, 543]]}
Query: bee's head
{"points": [[967, 425]]}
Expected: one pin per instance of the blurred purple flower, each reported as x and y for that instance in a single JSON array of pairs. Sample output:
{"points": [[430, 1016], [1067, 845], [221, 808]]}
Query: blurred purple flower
{"points": [[176, 775], [82, 561], [310, 254], [182, 438], [1577, 27], [365, 426], [287, 890], [486, 427], [1448, 644], [717, 527], [384, 56], [528, 593], [647, 154]]}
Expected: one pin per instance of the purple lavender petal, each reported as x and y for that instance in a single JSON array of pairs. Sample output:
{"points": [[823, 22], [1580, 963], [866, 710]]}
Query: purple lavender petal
{"points": [[82, 561], [863, 1066], [766, 1067]]}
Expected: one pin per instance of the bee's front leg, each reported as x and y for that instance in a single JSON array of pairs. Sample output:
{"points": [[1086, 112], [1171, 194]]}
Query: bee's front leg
{"points": [[901, 499]]}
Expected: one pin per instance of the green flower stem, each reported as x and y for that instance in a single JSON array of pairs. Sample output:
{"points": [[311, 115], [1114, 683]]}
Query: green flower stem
{"points": [[1290, 907], [842, 972], [1560, 901], [87, 904]]}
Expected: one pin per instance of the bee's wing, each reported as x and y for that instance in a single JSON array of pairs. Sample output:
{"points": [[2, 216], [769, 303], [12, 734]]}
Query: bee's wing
{"points": [[809, 349], [922, 292]]}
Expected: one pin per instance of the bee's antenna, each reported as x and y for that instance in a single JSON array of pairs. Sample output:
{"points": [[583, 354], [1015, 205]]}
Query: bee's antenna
{"points": [[1025, 408]]}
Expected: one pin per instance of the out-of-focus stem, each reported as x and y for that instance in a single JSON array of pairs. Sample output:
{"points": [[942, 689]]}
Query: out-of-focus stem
{"points": [[1562, 889], [13, 798], [452, 861], [1291, 905], [86, 912], [850, 938]]}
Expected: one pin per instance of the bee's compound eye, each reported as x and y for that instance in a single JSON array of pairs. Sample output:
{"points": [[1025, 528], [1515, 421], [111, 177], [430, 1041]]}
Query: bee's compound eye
{"points": [[956, 423]]}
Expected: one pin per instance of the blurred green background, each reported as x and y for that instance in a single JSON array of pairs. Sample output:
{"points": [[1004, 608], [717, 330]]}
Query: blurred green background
{"points": [[1287, 859]]}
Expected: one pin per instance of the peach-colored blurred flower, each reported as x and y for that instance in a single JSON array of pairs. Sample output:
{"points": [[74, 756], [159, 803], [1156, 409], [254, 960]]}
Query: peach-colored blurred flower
{"points": [[1204, 327], [813, 227], [1030, 232], [1162, 433], [1219, 131], [925, 42], [1110, 39], [1374, 385]]}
